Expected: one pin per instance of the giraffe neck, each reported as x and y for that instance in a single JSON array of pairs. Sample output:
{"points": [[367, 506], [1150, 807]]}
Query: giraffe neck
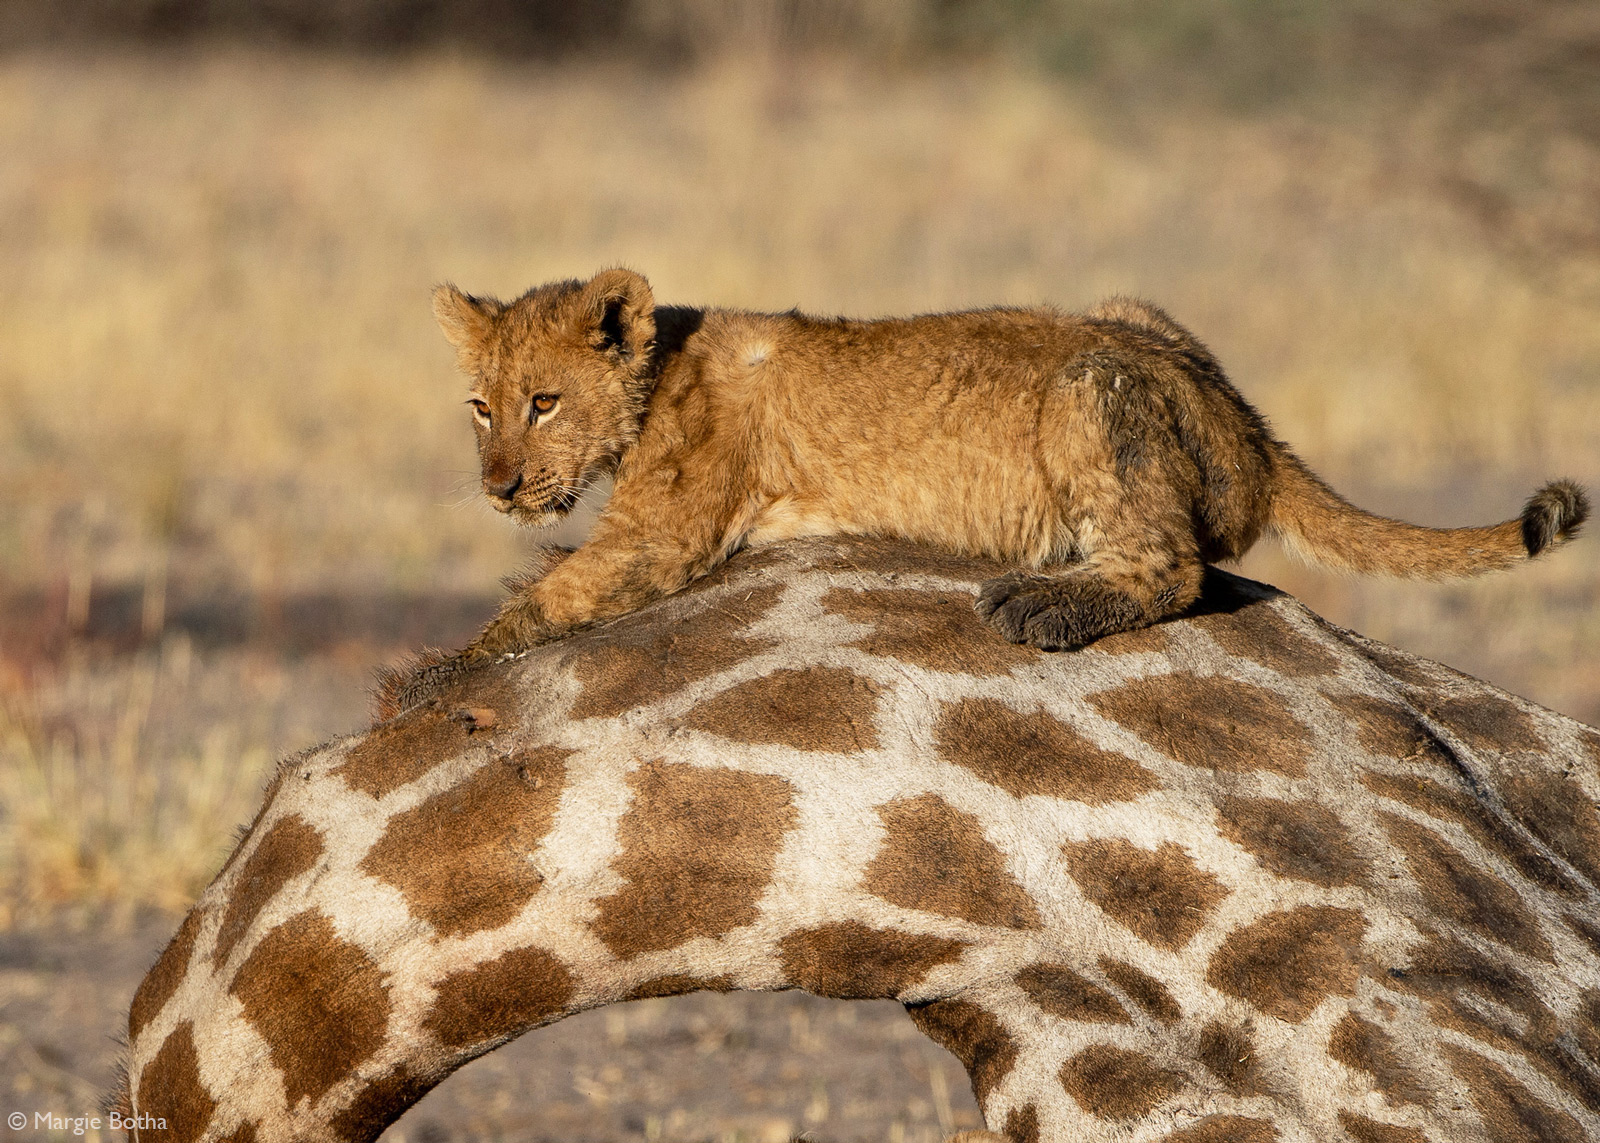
{"points": [[1243, 876]]}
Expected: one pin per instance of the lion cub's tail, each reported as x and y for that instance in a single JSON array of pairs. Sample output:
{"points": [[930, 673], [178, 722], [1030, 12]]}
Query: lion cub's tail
{"points": [[1324, 528]]}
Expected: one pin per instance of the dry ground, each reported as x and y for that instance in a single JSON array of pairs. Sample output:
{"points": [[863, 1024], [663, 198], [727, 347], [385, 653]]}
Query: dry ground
{"points": [[742, 1068], [235, 474]]}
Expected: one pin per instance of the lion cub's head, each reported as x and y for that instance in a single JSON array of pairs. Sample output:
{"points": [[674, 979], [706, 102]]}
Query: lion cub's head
{"points": [[560, 380]]}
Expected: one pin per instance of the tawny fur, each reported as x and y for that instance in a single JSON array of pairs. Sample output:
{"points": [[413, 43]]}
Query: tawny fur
{"points": [[1105, 453]]}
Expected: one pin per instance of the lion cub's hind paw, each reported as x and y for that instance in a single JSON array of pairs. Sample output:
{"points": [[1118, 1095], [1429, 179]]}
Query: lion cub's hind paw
{"points": [[1056, 613]]}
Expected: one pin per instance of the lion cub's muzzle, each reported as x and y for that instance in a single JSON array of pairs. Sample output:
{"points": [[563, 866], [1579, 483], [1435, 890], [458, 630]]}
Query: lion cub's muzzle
{"points": [[501, 491], [545, 498]]}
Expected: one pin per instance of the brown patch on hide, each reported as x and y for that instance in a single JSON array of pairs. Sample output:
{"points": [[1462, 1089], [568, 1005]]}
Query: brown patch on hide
{"points": [[244, 1133], [379, 1104], [319, 1002], [1210, 722], [935, 630], [1384, 727], [850, 961], [1229, 1053], [973, 1035], [461, 858], [290, 848], [1453, 977], [1586, 928], [1297, 839], [402, 750], [825, 709], [1288, 962], [1557, 812], [165, 975], [1364, 1130], [1360, 1044], [1225, 1129], [170, 1088], [1455, 887], [1399, 666], [1143, 989], [1061, 992], [1490, 1000], [1487, 722], [1140, 641], [1258, 633], [1487, 827], [499, 998], [935, 858], [893, 558], [1585, 1025], [1510, 1112], [1160, 895], [697, 850], [1022, 1124], [1035, 753], [1114, 1083], [676, 984], [634, 665], [737, 568]]}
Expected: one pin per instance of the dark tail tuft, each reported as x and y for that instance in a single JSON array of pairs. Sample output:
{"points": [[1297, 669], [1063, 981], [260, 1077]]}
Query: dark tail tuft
{"points": [[1553, 516]]}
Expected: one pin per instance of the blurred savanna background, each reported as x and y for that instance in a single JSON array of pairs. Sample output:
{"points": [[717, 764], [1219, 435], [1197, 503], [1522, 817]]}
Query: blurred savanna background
{"points": [[236, 476]]}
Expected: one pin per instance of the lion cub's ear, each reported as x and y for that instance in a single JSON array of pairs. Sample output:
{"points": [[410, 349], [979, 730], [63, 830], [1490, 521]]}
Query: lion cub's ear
{"points": [[467, 321], [619, 312]]}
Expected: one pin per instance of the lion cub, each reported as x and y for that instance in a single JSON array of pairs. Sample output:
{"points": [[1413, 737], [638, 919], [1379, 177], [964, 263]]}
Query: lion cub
{"points": [[1104, 453]]}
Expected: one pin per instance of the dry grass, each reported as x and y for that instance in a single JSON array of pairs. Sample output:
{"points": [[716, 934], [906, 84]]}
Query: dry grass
{"points": [[103, 816], [218, 368], [123, 775]]}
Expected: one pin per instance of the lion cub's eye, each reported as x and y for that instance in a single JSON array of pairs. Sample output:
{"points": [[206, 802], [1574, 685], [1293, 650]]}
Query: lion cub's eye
{"points": [[480, 410], [542, 405]]}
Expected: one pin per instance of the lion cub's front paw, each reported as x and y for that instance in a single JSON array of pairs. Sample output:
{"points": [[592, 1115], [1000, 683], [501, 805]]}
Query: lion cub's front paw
{"points": [[1056, 613], [492, 644], [515, 629]]}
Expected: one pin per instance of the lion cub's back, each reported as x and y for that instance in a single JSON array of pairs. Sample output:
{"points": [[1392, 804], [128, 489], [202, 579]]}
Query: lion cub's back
{"points": [[931, 374], [923, 427], [989, 352]]}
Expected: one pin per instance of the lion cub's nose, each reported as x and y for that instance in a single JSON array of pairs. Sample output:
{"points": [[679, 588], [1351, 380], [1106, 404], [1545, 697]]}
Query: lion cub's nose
{"points": [[504, 488]]}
